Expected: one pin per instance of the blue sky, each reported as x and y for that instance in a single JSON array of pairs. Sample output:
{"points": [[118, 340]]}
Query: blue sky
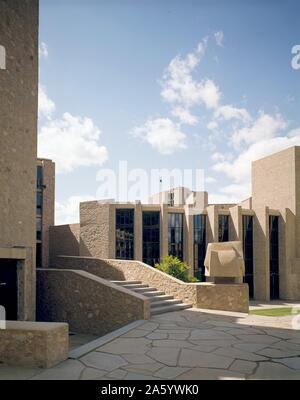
{"points": [[165, 84]]}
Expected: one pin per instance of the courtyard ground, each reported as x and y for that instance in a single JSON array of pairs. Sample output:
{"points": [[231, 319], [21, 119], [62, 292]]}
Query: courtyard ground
{"points": [[189, 344]]}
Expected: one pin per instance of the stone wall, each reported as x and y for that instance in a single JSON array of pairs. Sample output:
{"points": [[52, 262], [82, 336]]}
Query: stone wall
{"points": [[34, 344], [18, 131], [228, 297], [88, 303], [64, 239]]}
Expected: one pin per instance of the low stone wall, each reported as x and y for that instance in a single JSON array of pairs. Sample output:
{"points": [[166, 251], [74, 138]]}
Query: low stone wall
{"points": [[34, 344], [227, 297], [88, 303]]}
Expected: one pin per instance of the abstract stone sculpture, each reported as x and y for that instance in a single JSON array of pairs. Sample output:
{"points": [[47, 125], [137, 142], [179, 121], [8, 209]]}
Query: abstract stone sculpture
{"points": [[224, 260]]}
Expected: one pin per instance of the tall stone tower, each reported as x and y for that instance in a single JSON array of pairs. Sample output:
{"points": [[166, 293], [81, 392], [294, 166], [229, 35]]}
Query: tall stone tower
{"points": [[18, 144]]}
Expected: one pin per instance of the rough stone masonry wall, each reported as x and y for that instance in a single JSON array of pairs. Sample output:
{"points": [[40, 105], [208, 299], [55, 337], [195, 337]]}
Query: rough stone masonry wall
{"points": [[88, 303], [64, 239], [228, 297], [34, 344], [18, 134]]}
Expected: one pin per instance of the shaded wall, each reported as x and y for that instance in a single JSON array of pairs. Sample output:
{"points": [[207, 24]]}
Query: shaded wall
{"points": [[88, 303]]}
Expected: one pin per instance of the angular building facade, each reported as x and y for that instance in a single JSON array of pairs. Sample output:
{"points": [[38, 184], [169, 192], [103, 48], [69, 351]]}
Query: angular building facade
{"points": [[267, 224], [18, 138]]}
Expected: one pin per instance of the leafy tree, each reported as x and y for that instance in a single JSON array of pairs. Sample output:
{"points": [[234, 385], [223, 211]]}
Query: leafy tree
{"points": [[175, 267]]}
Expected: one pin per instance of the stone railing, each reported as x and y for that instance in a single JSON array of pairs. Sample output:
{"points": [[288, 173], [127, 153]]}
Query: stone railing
{"points": [[87, 302], [227, 297]]}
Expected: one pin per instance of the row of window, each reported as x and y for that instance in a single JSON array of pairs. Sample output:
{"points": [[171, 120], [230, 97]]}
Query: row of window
{"points": [[151, 242], [151, 237]]}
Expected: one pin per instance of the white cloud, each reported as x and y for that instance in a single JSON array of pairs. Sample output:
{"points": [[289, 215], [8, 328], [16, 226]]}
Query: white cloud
{"points": [[179, 86], [67, 211], [184, 116], [210, 179], [71, 142], [212, 125], [264, 127], [219, 37], [46, 106], [240, 168], [43, 50], [162, 134], [229, 112]]}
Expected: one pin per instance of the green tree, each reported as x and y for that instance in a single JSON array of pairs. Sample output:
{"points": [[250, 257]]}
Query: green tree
{"points": [[175, 267]]}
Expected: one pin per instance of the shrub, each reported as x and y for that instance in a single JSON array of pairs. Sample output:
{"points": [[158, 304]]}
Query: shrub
{"points": [[175, 267]]}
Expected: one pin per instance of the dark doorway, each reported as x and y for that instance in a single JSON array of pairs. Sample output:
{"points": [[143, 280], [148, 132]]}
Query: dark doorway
{"points": [[9, 288], [274, 257]]}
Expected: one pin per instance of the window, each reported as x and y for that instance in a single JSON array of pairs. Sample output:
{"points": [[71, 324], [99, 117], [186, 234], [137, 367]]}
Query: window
{"points": [[199, 222], [38, 228], [274, 257], [125, 234], [223, 228], [151, 237], [175, 234], [171, 199], [39, 203], [40, 177], [248, 251], [38, 255]]}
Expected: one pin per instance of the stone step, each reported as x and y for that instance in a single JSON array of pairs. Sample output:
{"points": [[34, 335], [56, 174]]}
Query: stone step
{"points": [[144, 290], [163, 303], [175, 307], [135, 286], [153, 294], [125, 282], [160, 298]]}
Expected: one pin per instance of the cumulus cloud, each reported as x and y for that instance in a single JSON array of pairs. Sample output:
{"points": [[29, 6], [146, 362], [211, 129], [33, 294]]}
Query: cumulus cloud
{"points": [[219, 37], [179, 85], [184, 116], [43, 50], [240, 168], [46, 106], [229, 112], [162, 134], [210, 179], [212, 125], [67, 211], [71, 142], [264, 127]]}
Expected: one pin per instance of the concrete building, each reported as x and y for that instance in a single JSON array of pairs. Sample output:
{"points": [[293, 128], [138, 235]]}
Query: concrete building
{"points": [[268, 224], [18, 135]]}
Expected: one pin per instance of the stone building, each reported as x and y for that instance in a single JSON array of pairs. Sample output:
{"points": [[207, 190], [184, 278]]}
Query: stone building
{"points": [[18, 138], [267, 223]]}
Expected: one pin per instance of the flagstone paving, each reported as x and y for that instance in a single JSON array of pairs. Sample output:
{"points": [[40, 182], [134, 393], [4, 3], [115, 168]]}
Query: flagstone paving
{"points": [[188, 344]]}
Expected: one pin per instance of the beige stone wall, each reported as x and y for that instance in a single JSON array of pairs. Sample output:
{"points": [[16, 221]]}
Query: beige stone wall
{"points": [[201, 295], [18, 133], [34, 344], [64, 240], [276, 185], [88, 303], [97, 221]]}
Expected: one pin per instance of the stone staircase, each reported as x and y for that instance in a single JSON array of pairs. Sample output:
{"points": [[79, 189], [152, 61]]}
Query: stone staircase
{"points": [[160, 302]]}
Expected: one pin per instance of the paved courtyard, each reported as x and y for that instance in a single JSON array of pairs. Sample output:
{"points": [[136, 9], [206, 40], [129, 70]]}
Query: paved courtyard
{"points": [[189, 344]]}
